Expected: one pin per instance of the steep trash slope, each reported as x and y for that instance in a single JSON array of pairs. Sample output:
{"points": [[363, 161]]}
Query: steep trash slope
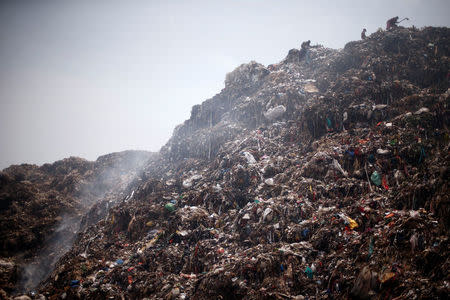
{"points": [[323, 176]]}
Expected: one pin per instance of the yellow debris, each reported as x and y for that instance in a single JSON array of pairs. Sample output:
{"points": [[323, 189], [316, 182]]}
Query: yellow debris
{"points": [[352, 222]]}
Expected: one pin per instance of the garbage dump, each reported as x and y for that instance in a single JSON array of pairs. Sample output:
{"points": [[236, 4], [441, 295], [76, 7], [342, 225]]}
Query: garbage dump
{"points": [[324, 178], [42, 208]]}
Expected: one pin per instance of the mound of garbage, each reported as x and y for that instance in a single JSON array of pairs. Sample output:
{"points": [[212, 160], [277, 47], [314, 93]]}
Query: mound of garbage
{"points": [[324, 176], [41, 207]]}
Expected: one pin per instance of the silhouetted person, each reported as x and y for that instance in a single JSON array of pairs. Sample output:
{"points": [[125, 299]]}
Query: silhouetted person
{"points": [[392, 23], [363, 34], [304, 51], [296, 55], [306, 45]]}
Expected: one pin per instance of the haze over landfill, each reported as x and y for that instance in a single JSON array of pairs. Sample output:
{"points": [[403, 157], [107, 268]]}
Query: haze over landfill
{"points": [[88, 78], [322, 173]]}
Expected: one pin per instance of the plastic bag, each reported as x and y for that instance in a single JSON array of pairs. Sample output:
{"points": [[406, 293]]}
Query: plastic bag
{"points": [[376, 178]]}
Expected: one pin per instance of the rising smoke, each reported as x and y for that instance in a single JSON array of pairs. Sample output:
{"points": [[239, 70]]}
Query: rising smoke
{"points": [[114, 172]]}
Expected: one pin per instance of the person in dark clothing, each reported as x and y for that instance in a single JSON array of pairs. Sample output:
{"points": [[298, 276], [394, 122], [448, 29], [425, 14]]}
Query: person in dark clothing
{"points": [[363, 34], [306, 45], [392, 23], [304, 51]]}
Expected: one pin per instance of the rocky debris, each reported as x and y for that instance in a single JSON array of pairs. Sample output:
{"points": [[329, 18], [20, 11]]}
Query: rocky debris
{"points": [[343, 195]]}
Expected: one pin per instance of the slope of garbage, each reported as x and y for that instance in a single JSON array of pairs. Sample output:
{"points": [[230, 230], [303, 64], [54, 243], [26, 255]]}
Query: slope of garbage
{"points": [[324, 176], [42, 207]]}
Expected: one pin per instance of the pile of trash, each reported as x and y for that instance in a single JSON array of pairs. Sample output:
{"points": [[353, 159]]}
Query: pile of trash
{"points": [[42, 207], [324, 176]]}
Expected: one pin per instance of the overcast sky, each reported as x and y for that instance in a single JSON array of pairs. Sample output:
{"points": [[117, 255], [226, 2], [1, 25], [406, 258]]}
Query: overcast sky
{"points": [[86, 78]]}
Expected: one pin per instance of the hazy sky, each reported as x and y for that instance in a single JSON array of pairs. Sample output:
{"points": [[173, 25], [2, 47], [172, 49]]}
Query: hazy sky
{"points": [[86, 78]]}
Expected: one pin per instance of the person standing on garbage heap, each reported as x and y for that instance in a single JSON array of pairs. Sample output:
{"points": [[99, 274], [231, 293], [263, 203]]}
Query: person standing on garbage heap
{"points": [[392, 23], [306, 45], [363, 34], [304, 50]]}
